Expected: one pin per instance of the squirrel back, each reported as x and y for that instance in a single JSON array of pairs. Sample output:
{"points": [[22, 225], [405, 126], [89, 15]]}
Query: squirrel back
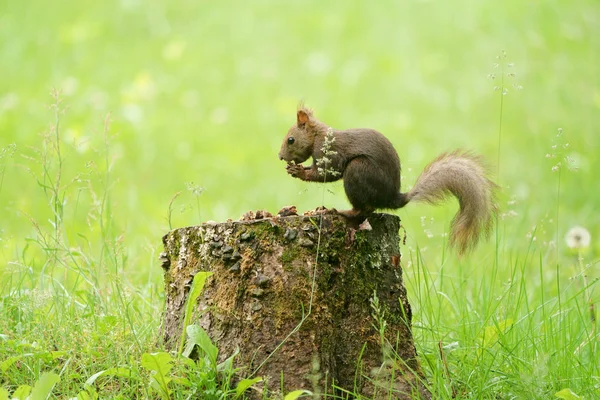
{"points": [[370, 167]]}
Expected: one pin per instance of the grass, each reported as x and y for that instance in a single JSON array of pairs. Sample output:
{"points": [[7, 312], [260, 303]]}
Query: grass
{"points": [[157, 95]]}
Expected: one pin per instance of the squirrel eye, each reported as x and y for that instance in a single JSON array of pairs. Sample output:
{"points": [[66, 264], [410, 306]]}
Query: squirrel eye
{"points": [[291, 140]]}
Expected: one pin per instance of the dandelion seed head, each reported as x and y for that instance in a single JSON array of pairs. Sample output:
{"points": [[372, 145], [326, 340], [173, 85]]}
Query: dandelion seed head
{"points": [[578, 237]]}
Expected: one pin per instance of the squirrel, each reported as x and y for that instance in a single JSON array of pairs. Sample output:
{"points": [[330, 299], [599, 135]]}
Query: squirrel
{"points": [[370, 168]]}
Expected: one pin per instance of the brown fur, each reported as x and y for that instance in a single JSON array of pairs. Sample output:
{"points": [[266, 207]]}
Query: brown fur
{"points": [[370, 168]]}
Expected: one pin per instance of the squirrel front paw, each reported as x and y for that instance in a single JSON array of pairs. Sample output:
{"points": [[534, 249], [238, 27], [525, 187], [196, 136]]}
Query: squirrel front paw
{"points": [[296, 170]]}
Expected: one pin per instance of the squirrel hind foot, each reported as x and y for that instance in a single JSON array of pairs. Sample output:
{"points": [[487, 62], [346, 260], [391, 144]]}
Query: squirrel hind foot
{"points": [[355, 216]]}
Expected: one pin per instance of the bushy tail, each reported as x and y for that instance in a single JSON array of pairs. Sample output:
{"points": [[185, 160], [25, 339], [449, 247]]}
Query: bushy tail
{"points": [[464, 175]]}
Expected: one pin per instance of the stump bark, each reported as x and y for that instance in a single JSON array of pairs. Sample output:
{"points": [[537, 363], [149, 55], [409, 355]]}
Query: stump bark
{"points": [[356, 333]]}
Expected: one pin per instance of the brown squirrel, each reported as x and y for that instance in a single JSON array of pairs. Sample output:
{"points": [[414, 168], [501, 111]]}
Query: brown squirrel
{"points": [[370, 168]]}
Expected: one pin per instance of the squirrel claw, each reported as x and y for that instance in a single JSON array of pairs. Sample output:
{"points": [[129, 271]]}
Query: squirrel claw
{"points": [[295, 170]]}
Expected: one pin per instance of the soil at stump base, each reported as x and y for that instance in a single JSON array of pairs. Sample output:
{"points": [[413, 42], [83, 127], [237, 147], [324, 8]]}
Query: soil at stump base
{"points": [[261, 289]]}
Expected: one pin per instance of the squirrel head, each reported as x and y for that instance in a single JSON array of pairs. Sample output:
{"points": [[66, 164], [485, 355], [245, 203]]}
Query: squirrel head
{"points": [[298, 144]]}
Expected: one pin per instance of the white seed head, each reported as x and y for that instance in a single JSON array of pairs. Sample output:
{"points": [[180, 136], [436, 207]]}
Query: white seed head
{"points": [[578, 237]]}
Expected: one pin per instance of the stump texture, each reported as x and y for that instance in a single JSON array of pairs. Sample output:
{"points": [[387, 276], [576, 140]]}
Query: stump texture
{"points": [[261, 289]]}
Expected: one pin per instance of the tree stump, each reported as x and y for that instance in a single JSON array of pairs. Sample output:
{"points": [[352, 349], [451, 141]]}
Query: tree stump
{"points": [[356, 333]]}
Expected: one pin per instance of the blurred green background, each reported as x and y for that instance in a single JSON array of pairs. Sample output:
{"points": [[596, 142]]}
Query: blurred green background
{"points": [[200, 94], [204, 92]]}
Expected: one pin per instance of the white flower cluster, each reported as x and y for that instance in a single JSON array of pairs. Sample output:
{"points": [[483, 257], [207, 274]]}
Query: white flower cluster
{"points": [[324, 163]]}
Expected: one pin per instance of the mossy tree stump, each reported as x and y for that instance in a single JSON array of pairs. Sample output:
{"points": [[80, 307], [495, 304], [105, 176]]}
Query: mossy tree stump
{"points": [[261, 289]]}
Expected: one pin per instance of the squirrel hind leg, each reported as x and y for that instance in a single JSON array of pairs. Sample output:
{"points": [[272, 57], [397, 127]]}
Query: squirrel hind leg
{"points": [[355, 216], [369, 187]]}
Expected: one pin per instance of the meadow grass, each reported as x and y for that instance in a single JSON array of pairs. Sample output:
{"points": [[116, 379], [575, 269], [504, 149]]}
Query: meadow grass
{"points": [[164, 114]]}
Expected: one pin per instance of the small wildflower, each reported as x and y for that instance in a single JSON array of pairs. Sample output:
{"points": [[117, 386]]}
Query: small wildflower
{"points": [[196, 190], [508, 214], [558, 151], [324, 163], [504, 76], [8, 151], [578, 237], [530, 234]]}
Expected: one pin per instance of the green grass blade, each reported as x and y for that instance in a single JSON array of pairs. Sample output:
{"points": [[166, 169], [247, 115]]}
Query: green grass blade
{"points": [[244, 384], [296, 394], [44, 385], [196, 289]]}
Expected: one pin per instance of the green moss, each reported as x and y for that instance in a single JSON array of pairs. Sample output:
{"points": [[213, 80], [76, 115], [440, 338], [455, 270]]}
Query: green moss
{"points": [[290, 253]]}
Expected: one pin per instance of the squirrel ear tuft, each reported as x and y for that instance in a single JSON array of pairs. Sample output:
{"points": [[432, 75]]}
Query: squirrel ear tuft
{"points": [[302, 117], [303, 114]]}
